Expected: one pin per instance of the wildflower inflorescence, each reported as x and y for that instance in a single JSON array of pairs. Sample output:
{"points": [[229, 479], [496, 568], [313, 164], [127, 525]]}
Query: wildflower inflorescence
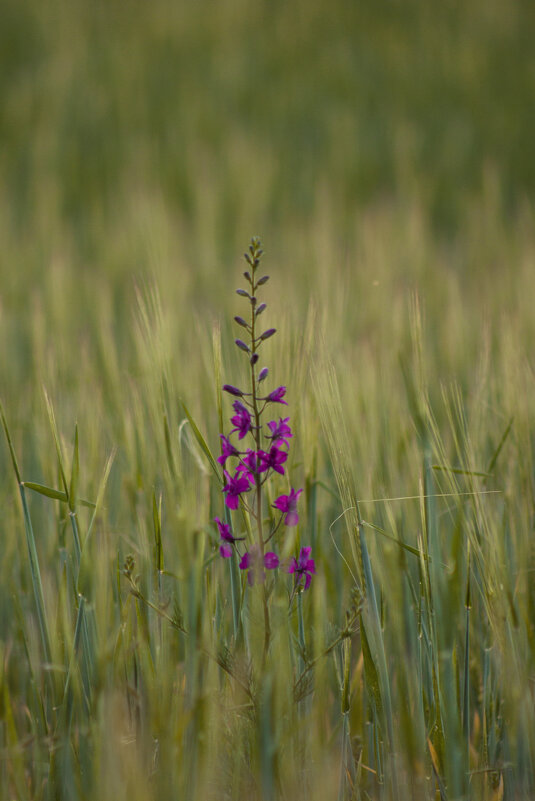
{"points": [[258, 450]]}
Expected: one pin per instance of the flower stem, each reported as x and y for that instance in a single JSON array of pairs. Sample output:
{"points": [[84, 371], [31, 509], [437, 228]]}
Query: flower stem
{"points": [[257, 438]]}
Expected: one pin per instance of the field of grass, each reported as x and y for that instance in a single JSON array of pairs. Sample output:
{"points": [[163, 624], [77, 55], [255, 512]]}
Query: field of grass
{"points": [[384, 153]]}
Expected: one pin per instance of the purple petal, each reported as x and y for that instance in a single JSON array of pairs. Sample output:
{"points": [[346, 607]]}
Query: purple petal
{"points": [[245, 561], [271, 560], [225, 551], [292, 567], [304, 553], [232, 501], [310, 566], [292, 518], [281, 503], [307, 581]]}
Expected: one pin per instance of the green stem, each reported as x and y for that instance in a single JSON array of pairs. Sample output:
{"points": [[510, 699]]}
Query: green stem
{"points": [[258, 481]]}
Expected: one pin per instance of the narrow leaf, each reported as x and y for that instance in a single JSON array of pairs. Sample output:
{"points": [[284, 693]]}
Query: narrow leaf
{"points": [[75, 471], [202, 442], [42, 489]]}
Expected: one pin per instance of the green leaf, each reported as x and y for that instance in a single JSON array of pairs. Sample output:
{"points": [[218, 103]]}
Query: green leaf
{"points": [[75, 471], [157, 523], [500, 445], [459, 471], [370, 670], [50, 492], [55, 434], [202, 442], [409, 548]]}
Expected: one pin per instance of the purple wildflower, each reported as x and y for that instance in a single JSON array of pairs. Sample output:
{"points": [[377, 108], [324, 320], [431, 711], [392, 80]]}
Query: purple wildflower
{"points": [[241, 420], [274, 460], [277, 396], [233, 488], [227, 538], [303, 567], [288, 505], [280, 432], [253, 562], [250, 465], [227, 449]]}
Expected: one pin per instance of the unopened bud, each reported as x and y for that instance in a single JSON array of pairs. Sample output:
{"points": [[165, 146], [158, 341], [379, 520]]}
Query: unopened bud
{"points": [[263, 374], [240, 321], [254, 358], [232, 390], [263, 280], [243, 293], [260, 309], [267, 334], [242, 345]]}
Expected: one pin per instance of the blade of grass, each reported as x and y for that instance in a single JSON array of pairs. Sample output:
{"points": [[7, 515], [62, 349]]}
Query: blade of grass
{"points": [[202, 442], [32, 551]]}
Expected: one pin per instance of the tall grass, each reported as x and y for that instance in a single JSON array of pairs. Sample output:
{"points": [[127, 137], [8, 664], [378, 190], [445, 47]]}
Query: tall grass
{"points": [[141, 148]]}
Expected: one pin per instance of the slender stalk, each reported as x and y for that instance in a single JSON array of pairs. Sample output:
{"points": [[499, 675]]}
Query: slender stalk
{"points": [[257, 436]]}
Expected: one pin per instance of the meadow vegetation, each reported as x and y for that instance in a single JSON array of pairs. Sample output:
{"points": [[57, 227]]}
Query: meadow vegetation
{"points": [[384, 152]]}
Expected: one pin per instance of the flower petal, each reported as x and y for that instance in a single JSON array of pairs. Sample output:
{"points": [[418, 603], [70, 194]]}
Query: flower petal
{"points": [[245, 561], [271, 560]]}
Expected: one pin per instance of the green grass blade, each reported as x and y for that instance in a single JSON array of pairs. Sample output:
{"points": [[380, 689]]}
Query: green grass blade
{"points": [[501, 443], [49, 492], [53, 426], [202, 442], [32, 551], [75, 472]]}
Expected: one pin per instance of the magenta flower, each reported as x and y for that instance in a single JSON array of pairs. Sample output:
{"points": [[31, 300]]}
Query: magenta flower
{"points": [[227, 449], [233, 489], [227, 538], [276, 396], [288, 505], [274, 460], [253, 562], [280, 432], [250, 465], [241, 420], [303, 567]]}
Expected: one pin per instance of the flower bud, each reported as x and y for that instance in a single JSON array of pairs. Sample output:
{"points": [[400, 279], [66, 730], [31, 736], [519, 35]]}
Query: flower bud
{"points": [[267, 334], [243, 293], [247, 275], [262, 374], [263, 280], [242, 345], [254, 358], [260, 309], [241, 322], [233, 390]]}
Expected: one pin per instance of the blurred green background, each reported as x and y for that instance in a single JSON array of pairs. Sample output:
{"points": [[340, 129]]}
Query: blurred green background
{"points": [[152, 140], [256, 111]]}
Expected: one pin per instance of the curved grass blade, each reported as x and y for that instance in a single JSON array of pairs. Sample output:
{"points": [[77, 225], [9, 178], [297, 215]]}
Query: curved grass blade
{"points": [[202, 442], [32, 550], [49, 492]]}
